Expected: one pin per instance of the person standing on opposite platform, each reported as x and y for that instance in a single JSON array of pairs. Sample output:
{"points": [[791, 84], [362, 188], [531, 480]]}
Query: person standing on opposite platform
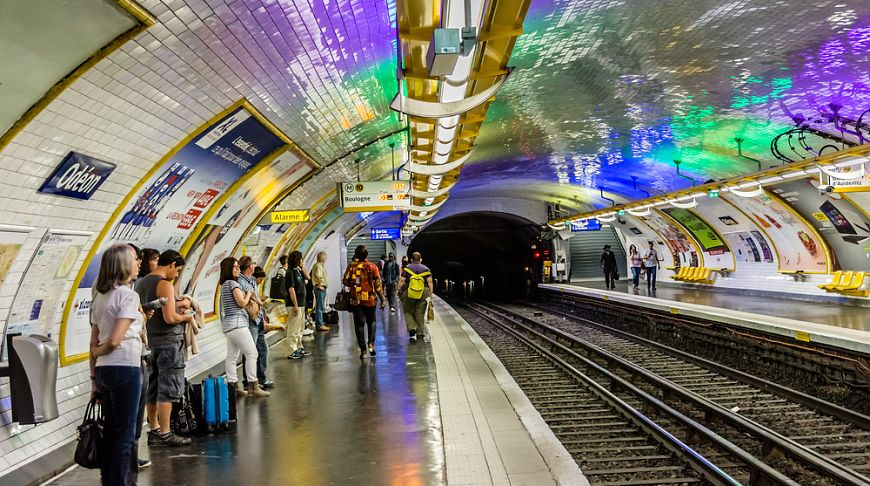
{"points": [[364, 281], [115, 358], [234, 325], [416, 289], [651, 262], [319, 282], [608, 265], [296, 298], [391, 276], [165, 329], [636, 264]]}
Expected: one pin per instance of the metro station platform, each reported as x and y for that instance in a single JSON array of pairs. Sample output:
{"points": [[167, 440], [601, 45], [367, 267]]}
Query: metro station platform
{"points": [[445, 413], [842, 326]]}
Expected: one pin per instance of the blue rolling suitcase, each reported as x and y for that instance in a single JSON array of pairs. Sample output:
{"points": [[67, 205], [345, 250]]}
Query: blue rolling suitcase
{"points": [[216, 403]]}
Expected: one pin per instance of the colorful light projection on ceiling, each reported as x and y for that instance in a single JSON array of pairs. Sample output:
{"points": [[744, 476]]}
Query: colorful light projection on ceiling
{"points": [[609, 90]]}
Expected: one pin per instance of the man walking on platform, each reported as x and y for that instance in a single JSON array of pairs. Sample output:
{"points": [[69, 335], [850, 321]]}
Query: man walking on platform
{"points": [[416, 288], [608, 265], [651, 261], [391, 276]]}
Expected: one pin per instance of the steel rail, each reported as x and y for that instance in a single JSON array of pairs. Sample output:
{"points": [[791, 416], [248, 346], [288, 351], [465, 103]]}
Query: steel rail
{"points": [[817, 404], [712, 410], [761, 473]]}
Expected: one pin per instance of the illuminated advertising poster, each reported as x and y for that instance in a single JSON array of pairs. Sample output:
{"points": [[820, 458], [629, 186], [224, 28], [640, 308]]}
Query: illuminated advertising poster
{"points": [[797, 244], [716, 252], [843, 226], [170, 202], [226, 228], [682, 250], [747, 244]]}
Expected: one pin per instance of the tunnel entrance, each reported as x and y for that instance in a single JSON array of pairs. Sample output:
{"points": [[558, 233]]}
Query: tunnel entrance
{"points": [[489, 255]]}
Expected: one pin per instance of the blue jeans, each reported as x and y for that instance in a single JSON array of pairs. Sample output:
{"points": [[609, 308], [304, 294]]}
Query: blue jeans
{"points": [[651, 277], [319, 301], [120, 388], [635, 275], [258, 332]]}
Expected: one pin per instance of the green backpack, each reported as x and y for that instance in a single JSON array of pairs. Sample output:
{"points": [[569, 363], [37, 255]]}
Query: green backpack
{"points": [[417, 284]]}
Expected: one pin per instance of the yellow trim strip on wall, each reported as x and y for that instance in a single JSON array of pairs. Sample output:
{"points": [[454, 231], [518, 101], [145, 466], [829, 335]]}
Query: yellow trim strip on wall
{"points": [[68, 360], [144, 19]]}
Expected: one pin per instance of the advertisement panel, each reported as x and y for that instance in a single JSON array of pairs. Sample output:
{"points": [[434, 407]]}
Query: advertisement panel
{"points": [[682, 250], [704, 234], [228, 225], [172, 198], [738, 230], [797, 244], [843, 226]]}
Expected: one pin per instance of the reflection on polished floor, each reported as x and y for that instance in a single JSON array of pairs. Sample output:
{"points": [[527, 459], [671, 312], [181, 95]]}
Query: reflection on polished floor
{"points": [[332, 419], [846, 316]]}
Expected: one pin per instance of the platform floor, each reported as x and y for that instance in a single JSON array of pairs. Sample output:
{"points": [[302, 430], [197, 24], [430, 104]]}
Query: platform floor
{"points": [[839, 315], [417, 414]]}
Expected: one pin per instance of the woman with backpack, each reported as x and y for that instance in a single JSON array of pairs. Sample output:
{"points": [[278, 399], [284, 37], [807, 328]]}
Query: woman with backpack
{"points": [[416, 289], [364, 281]]}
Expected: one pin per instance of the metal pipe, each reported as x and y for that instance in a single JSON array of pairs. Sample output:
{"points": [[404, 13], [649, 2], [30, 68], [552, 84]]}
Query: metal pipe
{"points": [[740, 152], [677, 163], [634, 179], [601, 192]]}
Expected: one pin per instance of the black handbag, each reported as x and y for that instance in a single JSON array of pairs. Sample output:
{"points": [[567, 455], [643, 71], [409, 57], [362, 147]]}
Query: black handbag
{"points": [[342, 301], [184, 419], [90, 437]]}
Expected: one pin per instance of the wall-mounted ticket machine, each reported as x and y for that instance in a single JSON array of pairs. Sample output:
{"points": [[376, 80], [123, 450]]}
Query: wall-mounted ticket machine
{"points": [[32, 372]]}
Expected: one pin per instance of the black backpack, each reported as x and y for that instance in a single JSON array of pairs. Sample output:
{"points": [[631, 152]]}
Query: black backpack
{"points": [[278, 288]]}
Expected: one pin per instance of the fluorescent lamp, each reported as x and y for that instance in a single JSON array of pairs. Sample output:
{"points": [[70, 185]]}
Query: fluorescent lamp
{"points": [[768, 180], [683, 205], [698, 194], [789, 175], [851, 162]]}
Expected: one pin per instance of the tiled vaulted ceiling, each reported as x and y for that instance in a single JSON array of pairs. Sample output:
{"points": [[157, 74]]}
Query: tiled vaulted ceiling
{"points": [[606, 90]]}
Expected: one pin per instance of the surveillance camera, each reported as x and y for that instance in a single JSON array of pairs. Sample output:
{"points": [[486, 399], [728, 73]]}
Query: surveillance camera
{"points": [[825, 188]]}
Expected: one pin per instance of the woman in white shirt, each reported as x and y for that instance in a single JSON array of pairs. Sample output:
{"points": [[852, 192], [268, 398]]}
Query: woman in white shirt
{"points": [[115, 358]]}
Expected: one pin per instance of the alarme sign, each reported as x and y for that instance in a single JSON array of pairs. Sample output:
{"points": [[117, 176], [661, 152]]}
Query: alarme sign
{"points": [[78, 176]]}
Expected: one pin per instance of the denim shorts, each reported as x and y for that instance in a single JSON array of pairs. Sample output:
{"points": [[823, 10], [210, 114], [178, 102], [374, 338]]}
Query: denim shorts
{"points": [[166, 374]]}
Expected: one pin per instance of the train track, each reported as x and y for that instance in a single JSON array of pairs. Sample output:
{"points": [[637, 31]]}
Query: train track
{"points": [[798, 437]]}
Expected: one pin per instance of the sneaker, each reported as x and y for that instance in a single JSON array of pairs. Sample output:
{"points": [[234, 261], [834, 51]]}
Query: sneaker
{"points": [[304, 352], [143, 463], [412, 332], [323, 328], [308, 332], [414, 337], [152, 437], [266, 384], [171, 440], [362, 354], [392, 310], [372, 350], [426, 338], [296, 355]]}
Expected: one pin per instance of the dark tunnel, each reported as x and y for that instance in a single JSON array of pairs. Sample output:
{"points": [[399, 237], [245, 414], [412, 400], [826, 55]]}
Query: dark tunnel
{"points": [[488, 255]]}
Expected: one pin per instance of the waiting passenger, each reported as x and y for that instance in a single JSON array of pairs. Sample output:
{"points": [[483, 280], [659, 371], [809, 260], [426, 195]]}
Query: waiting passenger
{"points": [[364, 281], [636, 265], [652, 261], [234, 324], [416, 288], [296, 298], [148, 261], [262, 346], [165, 329], [391, 277], [115, 359], [319, 282], [608, 265], [248, 283]]}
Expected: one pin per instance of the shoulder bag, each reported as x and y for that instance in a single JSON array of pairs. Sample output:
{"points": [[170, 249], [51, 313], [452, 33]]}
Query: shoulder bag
{"points": [[90, 437]]}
